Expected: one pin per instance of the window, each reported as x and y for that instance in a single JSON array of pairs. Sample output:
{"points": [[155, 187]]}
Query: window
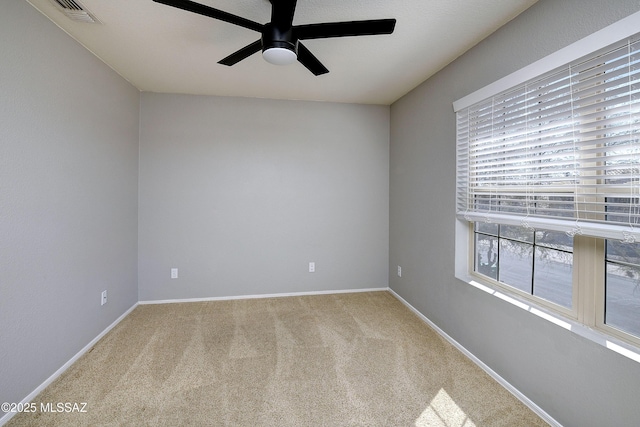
{"points": [[537, 263], [622, 287], [548, 181]]}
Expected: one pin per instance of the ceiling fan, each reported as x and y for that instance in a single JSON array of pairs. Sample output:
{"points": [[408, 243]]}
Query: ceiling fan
{"points": [[280, 39]]}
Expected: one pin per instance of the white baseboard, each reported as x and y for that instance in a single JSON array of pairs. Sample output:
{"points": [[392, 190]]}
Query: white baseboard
{"points": [[286, 294], [504, 383], [66, 366]]}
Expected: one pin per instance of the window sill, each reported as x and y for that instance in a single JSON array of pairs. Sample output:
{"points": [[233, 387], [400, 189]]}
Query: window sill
{"points": [[612, 343]]}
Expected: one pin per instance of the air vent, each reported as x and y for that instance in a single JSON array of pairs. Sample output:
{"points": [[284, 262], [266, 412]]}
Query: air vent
{"points": [[75, 11]]}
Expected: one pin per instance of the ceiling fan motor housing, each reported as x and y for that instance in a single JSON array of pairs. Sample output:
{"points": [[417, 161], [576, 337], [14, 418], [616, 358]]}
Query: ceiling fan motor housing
{"points": [[274, 37]]}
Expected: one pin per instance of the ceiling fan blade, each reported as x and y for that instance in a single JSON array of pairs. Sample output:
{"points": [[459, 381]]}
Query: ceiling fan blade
{"points": [[344, 29], [241, 54], [212, 13], [282, 13], [306, 58]]}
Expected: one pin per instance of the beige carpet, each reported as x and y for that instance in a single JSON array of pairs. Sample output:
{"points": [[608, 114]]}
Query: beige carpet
{"points": [[332, 360]]}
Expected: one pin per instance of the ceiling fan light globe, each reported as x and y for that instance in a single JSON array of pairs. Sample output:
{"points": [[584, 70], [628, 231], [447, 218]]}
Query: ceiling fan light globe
{"points": [[279, 56]]}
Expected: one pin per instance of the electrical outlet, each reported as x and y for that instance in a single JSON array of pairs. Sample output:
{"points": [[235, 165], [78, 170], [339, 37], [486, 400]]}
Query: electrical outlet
{"points": [[312, 267], [174, 273], [399, 271], [103, 299]]}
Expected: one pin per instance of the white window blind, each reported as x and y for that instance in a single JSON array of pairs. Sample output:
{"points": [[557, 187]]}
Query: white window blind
{"points": [[560, 151]]}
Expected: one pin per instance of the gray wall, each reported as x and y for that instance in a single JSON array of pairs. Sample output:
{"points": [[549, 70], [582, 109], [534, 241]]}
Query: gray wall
{"points": [[240, 194], [577, 382], [68, 198]]}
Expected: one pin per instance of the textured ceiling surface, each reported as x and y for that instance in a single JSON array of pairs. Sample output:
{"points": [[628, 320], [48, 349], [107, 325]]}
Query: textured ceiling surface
{"points": [[163, 49]]}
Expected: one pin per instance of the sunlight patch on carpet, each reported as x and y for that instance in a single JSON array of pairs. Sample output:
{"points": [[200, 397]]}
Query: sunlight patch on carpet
{"points": [[443, 412]]}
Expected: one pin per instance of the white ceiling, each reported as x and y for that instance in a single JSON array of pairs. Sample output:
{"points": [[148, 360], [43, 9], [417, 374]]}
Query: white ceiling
{"points": [[163, 49]]}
